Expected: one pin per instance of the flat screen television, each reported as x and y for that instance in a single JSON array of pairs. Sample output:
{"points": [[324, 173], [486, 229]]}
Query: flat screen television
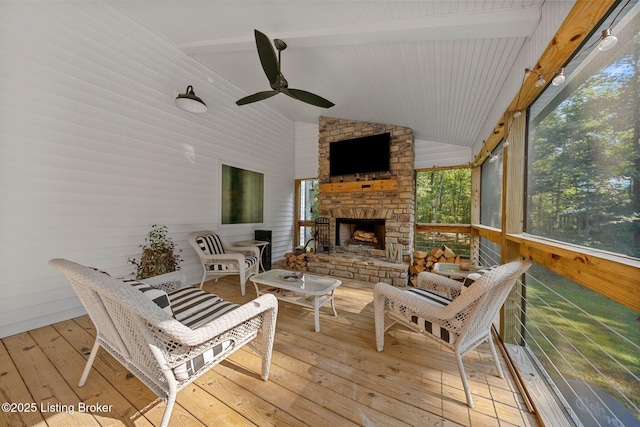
{"points": [[368, 154]]}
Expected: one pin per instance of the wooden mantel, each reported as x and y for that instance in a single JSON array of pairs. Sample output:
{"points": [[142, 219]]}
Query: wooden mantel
{"points": [[360, 186]]}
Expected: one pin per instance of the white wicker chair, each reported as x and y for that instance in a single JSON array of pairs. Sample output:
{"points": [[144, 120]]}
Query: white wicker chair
{"points": [[219, 260], [456, 316], [161, 351]]}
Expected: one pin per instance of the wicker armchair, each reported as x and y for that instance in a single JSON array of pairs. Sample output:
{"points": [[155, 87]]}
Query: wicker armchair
{"points": [[143, 325], [455, 314], [219, 260]]}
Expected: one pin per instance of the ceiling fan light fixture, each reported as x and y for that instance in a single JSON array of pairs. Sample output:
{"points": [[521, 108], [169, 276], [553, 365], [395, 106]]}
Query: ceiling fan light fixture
{"points": [[559, 78], [608, 40], [188, 101]]}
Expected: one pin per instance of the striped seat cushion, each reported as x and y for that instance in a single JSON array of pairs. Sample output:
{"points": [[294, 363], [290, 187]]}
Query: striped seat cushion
{"points": [[426, 325], [249, 261], [194, 307], [471, 278], [158, 296], [210, 244], [192, 366]]}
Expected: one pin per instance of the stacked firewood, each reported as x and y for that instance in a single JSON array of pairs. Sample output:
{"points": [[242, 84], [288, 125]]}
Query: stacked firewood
{"points": [[424, 261], [296, 261], [365, 237]]}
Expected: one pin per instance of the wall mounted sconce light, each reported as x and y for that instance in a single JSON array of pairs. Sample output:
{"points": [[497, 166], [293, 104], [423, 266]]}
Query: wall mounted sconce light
{"points": [[188, 101]]}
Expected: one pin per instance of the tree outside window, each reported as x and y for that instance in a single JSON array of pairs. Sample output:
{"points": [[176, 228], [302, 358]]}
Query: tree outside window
{"points": [[443, 197]]}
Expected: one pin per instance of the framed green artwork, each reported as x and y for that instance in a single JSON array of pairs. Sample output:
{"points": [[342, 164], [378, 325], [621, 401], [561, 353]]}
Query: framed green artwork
{"points": [[242, 196]]}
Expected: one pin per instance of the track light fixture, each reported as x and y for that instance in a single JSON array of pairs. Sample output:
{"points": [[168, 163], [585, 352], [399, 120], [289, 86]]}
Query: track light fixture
{"points": [[188, 101]]}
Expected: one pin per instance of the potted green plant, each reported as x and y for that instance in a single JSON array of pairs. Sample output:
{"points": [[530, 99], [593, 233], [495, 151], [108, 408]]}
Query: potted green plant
{"points": [[159, 254]]}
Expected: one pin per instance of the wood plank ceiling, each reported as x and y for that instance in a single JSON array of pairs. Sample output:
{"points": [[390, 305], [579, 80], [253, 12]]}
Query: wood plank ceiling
{"points": [[434, 66]]}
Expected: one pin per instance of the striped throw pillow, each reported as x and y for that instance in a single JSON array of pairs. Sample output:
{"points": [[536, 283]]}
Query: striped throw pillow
{"points": [[210, 244], [471, 278], [99, 271], [158, 296]]}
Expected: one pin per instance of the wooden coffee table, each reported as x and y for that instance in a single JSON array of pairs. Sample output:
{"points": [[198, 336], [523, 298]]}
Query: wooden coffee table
{"points": [[307, 291]]}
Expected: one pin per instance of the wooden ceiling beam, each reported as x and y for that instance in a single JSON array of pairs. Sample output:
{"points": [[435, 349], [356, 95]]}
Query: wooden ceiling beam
{"points": [[515, 22]]}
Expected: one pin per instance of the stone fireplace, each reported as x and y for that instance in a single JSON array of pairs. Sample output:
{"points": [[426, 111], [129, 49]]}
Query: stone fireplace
{"points": [[381, 204]]}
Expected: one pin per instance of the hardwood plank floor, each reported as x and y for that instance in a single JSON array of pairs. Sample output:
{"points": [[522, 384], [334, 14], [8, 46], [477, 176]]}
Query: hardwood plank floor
{"points": [[334, 377]]}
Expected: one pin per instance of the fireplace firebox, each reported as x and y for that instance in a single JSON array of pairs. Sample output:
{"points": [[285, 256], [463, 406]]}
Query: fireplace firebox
{"points": [[351, 232]]}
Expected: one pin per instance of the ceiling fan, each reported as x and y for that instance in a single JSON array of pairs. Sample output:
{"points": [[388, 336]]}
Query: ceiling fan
{"points": [[278, 83]]}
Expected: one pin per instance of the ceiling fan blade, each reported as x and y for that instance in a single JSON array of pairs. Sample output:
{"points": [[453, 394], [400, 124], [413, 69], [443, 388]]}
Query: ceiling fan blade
{"points": [[309, 98], [256, 97], [267, 55]]}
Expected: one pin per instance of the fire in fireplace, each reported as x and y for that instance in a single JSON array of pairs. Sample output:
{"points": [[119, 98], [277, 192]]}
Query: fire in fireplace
{"points": [[360, 232]]}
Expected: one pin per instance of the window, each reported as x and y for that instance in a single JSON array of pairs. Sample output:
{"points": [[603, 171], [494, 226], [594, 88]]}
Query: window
{"points": [[584, 189], [584, 154], [491, 205], [443, 197], [491, 190], [306, 210]]}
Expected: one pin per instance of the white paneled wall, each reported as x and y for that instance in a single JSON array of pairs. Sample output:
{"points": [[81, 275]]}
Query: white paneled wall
{"points": [[93, 152], [435, 154], [306, 150]]}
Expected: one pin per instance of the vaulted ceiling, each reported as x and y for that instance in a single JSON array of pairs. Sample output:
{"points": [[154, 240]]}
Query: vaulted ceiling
{"points": [[434, 66]]}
